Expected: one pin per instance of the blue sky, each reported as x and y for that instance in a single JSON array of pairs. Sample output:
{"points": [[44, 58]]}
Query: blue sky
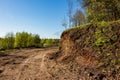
{"points": [[43, 17]]}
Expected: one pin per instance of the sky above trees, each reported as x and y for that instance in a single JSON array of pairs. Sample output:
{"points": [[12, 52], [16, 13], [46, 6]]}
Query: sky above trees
{"points": [[43, 17]]}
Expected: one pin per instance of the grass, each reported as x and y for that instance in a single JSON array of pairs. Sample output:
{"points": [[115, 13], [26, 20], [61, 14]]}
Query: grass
{"points": [[100, 24]]}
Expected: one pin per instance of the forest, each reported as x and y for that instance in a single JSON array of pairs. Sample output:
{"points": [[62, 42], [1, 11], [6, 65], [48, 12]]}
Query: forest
{"points": [[25, 40]]}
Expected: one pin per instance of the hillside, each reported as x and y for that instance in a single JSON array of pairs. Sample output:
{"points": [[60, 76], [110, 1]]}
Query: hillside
{"points": [[95, 48]]}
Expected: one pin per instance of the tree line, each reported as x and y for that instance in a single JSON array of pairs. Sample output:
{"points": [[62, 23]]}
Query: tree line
{"points": [[102, 10], [25, 40], [92, 11]]}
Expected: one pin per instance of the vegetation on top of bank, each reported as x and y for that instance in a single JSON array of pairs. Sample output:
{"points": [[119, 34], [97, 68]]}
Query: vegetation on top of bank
{"points": [[102, 38], [99, 24]]}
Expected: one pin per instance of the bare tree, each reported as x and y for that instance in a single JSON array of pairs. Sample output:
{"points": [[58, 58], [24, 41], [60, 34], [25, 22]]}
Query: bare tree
{"points": [[70, 10], [78, 18], [64, 22]]}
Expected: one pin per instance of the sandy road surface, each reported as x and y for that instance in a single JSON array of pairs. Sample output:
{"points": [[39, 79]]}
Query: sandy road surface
{"points": [[41, 64], [25, 64]]}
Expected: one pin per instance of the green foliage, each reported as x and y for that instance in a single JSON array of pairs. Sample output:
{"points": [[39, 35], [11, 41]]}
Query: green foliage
{"points": [[3, 44], [103, 23], [7, 42], [36, 40], [21, 40], [102, 10], [118, 59], [101, 38], [51, 42], [42, 42], [48, 43], [24, 40], [101, 41], [30, 41]]}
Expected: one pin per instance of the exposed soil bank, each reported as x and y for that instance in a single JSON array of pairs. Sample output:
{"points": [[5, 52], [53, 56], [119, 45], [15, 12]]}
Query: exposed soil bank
{"points": [[95, 48]]}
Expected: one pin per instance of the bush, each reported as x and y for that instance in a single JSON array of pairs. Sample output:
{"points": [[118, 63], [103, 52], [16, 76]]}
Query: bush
{"points": [[24, 40], [49, 42], [7, 42]]}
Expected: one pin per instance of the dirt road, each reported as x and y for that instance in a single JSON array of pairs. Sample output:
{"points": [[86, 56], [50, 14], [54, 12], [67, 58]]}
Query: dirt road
{"points": [[25, 64], [42, 64]]}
